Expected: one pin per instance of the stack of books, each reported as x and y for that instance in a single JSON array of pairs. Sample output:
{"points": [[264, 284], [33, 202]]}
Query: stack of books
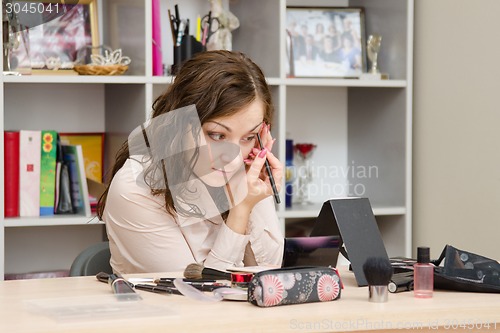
{"points": [[43, 176]]}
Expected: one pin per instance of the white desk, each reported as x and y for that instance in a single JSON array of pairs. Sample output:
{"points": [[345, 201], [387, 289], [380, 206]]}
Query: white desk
{"points": [[468, 312]]}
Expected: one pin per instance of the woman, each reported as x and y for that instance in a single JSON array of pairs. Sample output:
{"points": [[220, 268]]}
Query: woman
{"points": [[190, 186]]}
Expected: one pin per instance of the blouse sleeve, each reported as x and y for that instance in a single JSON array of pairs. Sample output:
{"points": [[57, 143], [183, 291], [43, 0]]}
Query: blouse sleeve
{"points": [[266, 238]]}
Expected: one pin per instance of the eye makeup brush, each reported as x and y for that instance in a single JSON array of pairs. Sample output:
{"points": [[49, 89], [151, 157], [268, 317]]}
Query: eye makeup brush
{"points": [[378, 273], [270, 174]]}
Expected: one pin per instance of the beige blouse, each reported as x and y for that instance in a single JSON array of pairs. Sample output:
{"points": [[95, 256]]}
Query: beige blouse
{"points": [[143, 237]]}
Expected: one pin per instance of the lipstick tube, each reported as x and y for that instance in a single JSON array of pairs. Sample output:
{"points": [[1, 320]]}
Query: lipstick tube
{"points": [[401, 282]]}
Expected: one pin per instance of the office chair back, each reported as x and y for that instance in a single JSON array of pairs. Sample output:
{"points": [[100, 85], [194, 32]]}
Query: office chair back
{"points": [[92, 260]]}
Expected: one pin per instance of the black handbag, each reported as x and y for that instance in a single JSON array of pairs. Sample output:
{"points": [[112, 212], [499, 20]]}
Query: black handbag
{"points": [[466, 271]]}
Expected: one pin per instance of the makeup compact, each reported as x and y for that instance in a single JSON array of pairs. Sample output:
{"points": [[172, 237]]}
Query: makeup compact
{"points": [[232, 294]]}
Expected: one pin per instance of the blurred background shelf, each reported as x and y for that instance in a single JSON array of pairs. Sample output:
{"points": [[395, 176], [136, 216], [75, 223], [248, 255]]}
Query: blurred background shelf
{"points": [[353, 122]]}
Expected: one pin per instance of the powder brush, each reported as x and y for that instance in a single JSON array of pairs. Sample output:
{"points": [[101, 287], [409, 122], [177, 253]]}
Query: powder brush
{"points": [[198, 271], [378, 272]]}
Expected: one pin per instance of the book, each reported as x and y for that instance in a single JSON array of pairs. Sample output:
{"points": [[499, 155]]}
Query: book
{"points": [[93, 151], [58, 186], [29, 172], [48, 172], [11, 173], [64, 203], [73, 156]]}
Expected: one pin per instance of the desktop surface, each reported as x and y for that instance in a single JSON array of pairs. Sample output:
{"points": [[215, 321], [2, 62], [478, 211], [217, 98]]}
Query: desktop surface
{"points": [[447, 310]]}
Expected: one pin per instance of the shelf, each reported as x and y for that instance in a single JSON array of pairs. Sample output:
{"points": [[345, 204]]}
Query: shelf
{"points": [[312, 211], [273, 81], [124, 79], [345, 82], [161, 79], [50, 221]]}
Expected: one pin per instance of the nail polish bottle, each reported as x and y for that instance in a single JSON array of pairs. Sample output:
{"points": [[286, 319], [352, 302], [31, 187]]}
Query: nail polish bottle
{"points": [[423, 274]]}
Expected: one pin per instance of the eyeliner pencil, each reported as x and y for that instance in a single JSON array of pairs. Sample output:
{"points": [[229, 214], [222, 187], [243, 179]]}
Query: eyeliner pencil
{"points": [[270, 174]]}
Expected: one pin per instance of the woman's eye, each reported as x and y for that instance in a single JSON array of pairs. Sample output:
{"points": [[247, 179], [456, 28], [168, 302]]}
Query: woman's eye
{"points": [[249, 138], [216, 136]]}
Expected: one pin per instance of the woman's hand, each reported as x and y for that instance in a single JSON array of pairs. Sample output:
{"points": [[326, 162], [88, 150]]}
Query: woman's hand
{"points": [[256, 179], [258, 182]]}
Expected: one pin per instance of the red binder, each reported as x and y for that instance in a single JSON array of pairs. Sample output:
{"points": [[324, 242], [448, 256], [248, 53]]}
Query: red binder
{"points": [[11, 174]]}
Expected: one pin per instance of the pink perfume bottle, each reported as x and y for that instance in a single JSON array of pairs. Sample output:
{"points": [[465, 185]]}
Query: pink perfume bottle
{"points": [[423, 274]]}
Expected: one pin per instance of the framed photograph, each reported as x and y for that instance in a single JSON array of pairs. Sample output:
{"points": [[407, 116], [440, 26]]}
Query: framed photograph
{"points": [[92, 149], [54, 44], [325, 42]]}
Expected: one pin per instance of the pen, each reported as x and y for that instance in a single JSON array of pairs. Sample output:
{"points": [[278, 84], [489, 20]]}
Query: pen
{"points": [[160, 280], [270, 174], [180, 33], [158, 289], [186, 30], [203, 286], [205, 29], [198, 28], [177, 16], [172, 27]]}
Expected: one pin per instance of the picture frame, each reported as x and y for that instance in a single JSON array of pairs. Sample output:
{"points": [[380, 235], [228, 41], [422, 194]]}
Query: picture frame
{"points": [[93, 151], [54, 44], [325, 42], [122, 35]]}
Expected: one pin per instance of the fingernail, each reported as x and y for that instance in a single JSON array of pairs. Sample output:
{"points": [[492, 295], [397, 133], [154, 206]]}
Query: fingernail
{"points": [[255, 151], [247, 160], [263, 153], [252, 155]]}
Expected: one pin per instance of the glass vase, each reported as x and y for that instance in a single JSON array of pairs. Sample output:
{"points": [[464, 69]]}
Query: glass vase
{"points": [[304, 173]]}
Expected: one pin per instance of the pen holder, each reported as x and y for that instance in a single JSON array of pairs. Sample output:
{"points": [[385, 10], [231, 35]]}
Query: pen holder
{"points": [[186, 50]]}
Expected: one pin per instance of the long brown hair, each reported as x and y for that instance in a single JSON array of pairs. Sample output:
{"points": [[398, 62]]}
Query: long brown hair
{"points": [[219, 84]]}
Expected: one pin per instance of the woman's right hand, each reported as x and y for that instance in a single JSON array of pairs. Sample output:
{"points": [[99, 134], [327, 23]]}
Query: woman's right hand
{"points": [[258, 182]]}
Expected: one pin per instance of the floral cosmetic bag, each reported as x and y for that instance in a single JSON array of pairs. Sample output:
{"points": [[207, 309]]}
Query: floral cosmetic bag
{"points": [[294, 285]]}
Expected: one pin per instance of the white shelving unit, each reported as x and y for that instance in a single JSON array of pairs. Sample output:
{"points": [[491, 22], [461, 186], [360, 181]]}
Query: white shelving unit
{"points": [[353, 122]]}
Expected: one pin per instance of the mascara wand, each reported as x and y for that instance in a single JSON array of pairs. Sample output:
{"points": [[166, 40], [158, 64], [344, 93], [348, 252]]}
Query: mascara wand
{"points": [[378, 272]]}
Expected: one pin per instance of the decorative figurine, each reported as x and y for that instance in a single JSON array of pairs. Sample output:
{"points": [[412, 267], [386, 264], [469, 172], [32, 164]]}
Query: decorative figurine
{"points": [[221, 39]]}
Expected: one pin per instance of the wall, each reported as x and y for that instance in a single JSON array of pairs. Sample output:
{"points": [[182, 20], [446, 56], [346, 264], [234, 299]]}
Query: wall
{"points": [[456, 161]]}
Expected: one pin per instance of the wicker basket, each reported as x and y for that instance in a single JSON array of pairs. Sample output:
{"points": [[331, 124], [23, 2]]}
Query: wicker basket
{"points": [[100, 69]]}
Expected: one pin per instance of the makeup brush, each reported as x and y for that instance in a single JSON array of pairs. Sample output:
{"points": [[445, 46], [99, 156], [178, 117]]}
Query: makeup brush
{"points": [[378, 273], [198, 271]]}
